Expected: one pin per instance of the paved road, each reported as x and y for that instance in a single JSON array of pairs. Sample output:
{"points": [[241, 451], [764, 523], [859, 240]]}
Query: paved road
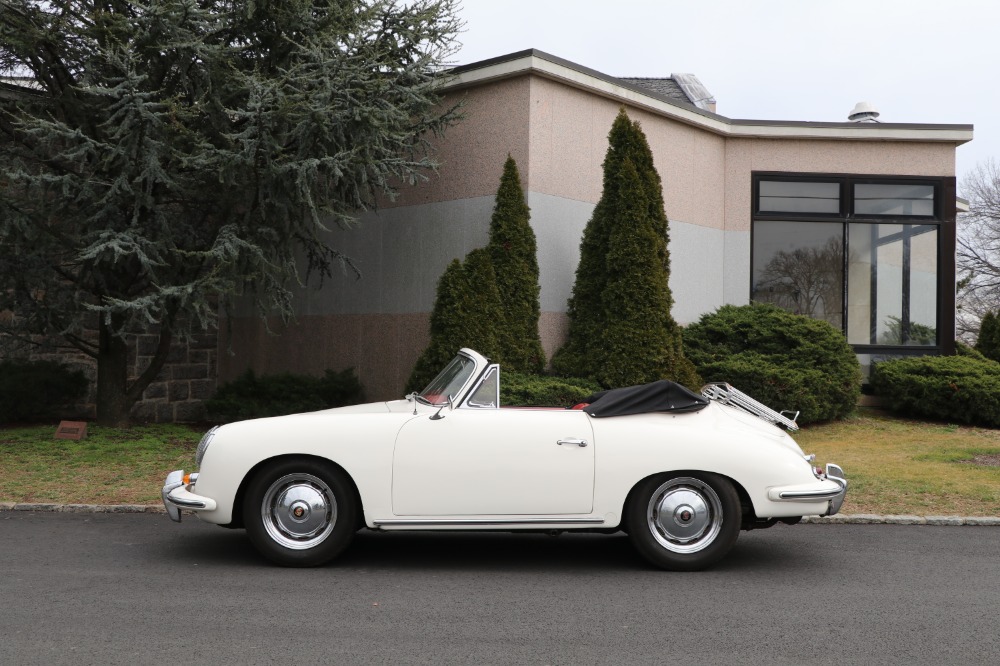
{"points": [[138, 589]]}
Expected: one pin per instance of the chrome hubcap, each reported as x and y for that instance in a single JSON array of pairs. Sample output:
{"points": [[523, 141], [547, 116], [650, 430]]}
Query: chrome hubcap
{"points": [[299, 511], [684, 515]]}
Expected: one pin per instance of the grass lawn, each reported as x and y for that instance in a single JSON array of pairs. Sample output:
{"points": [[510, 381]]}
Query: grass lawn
{"points": [[110, 466], [895, 466], [902, 466]]}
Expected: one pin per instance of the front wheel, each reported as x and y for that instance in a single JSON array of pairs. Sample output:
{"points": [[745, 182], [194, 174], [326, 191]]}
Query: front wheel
{"points": [[684, 522], [300, 512]]}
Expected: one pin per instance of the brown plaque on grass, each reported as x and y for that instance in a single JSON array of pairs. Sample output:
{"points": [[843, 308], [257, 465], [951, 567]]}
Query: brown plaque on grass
{"points": [[71, 430]]}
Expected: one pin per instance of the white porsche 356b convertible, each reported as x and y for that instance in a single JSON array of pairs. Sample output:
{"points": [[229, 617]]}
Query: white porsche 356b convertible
{"points": [[681, 473]]}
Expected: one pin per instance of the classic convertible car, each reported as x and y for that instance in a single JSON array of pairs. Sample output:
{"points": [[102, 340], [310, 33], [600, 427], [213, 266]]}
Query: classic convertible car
{"points": [[681, 473]]}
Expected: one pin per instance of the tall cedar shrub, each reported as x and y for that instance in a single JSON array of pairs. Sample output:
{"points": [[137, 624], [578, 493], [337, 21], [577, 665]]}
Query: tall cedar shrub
{"points": [[988, 343], [783, 360], [959, 389], [466, 309], [640, 338], [513, 251], [589, 318]]}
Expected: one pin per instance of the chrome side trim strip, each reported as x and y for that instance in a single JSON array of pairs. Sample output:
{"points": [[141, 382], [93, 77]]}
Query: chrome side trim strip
{"points": [[809, 494], [426, 522]]}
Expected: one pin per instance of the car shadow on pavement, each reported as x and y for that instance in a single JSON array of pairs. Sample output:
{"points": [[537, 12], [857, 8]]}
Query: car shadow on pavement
{"points": [[495, 551]]}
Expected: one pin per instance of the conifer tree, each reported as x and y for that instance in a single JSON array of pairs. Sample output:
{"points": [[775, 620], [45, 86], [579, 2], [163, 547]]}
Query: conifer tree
{"points": [[597, 334], [158, 157], [513, 251], [466, 309], [988, 343], [640, 342]]}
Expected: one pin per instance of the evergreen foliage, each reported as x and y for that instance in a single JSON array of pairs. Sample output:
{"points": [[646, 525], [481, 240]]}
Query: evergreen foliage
{"points": [[640, 339], [962, 349], [163, 156], [601, 277], [958, 389], [513, 251], [988, 342], [37, 390], [466, 309], [783, 360], [539, 391], [253, 397]]}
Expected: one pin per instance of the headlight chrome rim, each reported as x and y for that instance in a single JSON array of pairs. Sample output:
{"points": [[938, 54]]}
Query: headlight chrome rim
{"points": [[203, 445]]}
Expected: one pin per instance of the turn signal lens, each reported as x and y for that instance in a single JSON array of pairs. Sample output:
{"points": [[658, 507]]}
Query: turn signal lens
{"points": [[186, 479]]}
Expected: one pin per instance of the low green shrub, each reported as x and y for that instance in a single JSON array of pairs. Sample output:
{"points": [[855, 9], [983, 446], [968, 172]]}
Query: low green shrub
{"points": [[783, 360], [251, 397], [962, 349], [37, 390], [959, 389], [542, 391]]}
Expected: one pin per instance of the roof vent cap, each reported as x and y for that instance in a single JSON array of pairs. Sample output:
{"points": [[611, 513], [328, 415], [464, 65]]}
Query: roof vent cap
{"points": [[863, 112]]}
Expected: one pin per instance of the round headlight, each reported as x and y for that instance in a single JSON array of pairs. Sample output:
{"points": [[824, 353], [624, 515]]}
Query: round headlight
{"points": [[203, 445]]}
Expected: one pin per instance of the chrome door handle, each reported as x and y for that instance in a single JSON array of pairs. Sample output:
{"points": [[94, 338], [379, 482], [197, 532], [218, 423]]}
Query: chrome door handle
{"points": [[579, 442]]}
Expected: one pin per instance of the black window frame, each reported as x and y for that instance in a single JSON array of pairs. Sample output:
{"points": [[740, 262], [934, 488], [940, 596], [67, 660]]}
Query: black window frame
{"points": [[943, 218]]}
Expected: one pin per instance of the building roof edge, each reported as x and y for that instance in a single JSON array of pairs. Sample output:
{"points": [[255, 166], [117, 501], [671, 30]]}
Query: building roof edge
{"points": [[534, 61]]}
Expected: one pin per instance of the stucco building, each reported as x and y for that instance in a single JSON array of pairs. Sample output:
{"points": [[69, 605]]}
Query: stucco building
{"points": [[853, 222]]}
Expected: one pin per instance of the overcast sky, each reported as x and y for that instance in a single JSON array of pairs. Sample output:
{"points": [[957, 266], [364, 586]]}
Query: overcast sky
{"points": [[917, 61]]}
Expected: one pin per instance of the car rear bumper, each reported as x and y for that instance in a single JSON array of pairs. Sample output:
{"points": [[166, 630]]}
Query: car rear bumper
{"points": [[829, 488], [177, 495]]}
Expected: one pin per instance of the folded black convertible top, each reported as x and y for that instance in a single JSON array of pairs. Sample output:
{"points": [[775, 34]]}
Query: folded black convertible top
{"points": [[661, 396]]}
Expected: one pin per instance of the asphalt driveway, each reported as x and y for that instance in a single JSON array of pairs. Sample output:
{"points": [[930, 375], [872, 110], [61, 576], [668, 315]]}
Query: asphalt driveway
{"points": [[138, 589]]}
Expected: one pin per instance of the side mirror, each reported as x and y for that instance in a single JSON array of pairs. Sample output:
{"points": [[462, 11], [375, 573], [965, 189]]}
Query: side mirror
{"points": [[437, 415]]}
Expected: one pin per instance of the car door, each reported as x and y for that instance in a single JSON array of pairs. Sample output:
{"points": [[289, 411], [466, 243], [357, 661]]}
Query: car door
{"points": [[488, 462]]}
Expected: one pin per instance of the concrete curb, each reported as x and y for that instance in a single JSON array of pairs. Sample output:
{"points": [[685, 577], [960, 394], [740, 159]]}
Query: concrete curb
{"points": [[840, 519], [83, 508], [869, 519]]}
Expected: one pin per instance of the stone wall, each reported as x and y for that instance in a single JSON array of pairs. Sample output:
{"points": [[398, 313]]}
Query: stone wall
{"points": [[187, 379]]}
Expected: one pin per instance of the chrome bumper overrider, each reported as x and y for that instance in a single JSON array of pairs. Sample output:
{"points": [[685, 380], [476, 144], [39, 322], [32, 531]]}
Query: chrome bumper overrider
{"points": [[177, 495], [833, 494]]}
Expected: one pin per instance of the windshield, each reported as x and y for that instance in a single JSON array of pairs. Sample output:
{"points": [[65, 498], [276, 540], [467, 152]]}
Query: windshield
{"points": [[446, 385]]}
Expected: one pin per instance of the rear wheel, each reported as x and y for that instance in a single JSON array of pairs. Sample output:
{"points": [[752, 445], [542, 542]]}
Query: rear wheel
{"points": [[300, 512], [684, 522]]}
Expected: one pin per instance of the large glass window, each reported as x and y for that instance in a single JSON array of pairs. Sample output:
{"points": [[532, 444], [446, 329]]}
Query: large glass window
{"points": [[892, 284], [890, 199], [858, 253], [800, 267], [784, 196]]}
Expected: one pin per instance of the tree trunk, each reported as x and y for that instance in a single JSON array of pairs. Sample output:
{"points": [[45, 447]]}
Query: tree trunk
{"points": [[113, 405]]}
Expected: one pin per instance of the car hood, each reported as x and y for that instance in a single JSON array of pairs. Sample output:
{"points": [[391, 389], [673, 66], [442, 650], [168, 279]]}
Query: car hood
{"points": [[367, 408]]}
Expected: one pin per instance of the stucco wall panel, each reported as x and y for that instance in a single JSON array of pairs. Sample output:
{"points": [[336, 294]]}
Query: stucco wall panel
{"points": [[569, 139], [471, 153], [401, 253], [558, 224], [697, 270]]}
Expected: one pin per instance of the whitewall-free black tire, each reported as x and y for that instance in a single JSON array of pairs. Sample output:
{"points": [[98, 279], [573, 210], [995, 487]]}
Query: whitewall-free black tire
{"points": [[300, 512]]}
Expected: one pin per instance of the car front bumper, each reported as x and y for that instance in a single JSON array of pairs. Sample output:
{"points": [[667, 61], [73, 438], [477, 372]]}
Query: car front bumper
{"points": [[830, 488], [177, 495]]}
